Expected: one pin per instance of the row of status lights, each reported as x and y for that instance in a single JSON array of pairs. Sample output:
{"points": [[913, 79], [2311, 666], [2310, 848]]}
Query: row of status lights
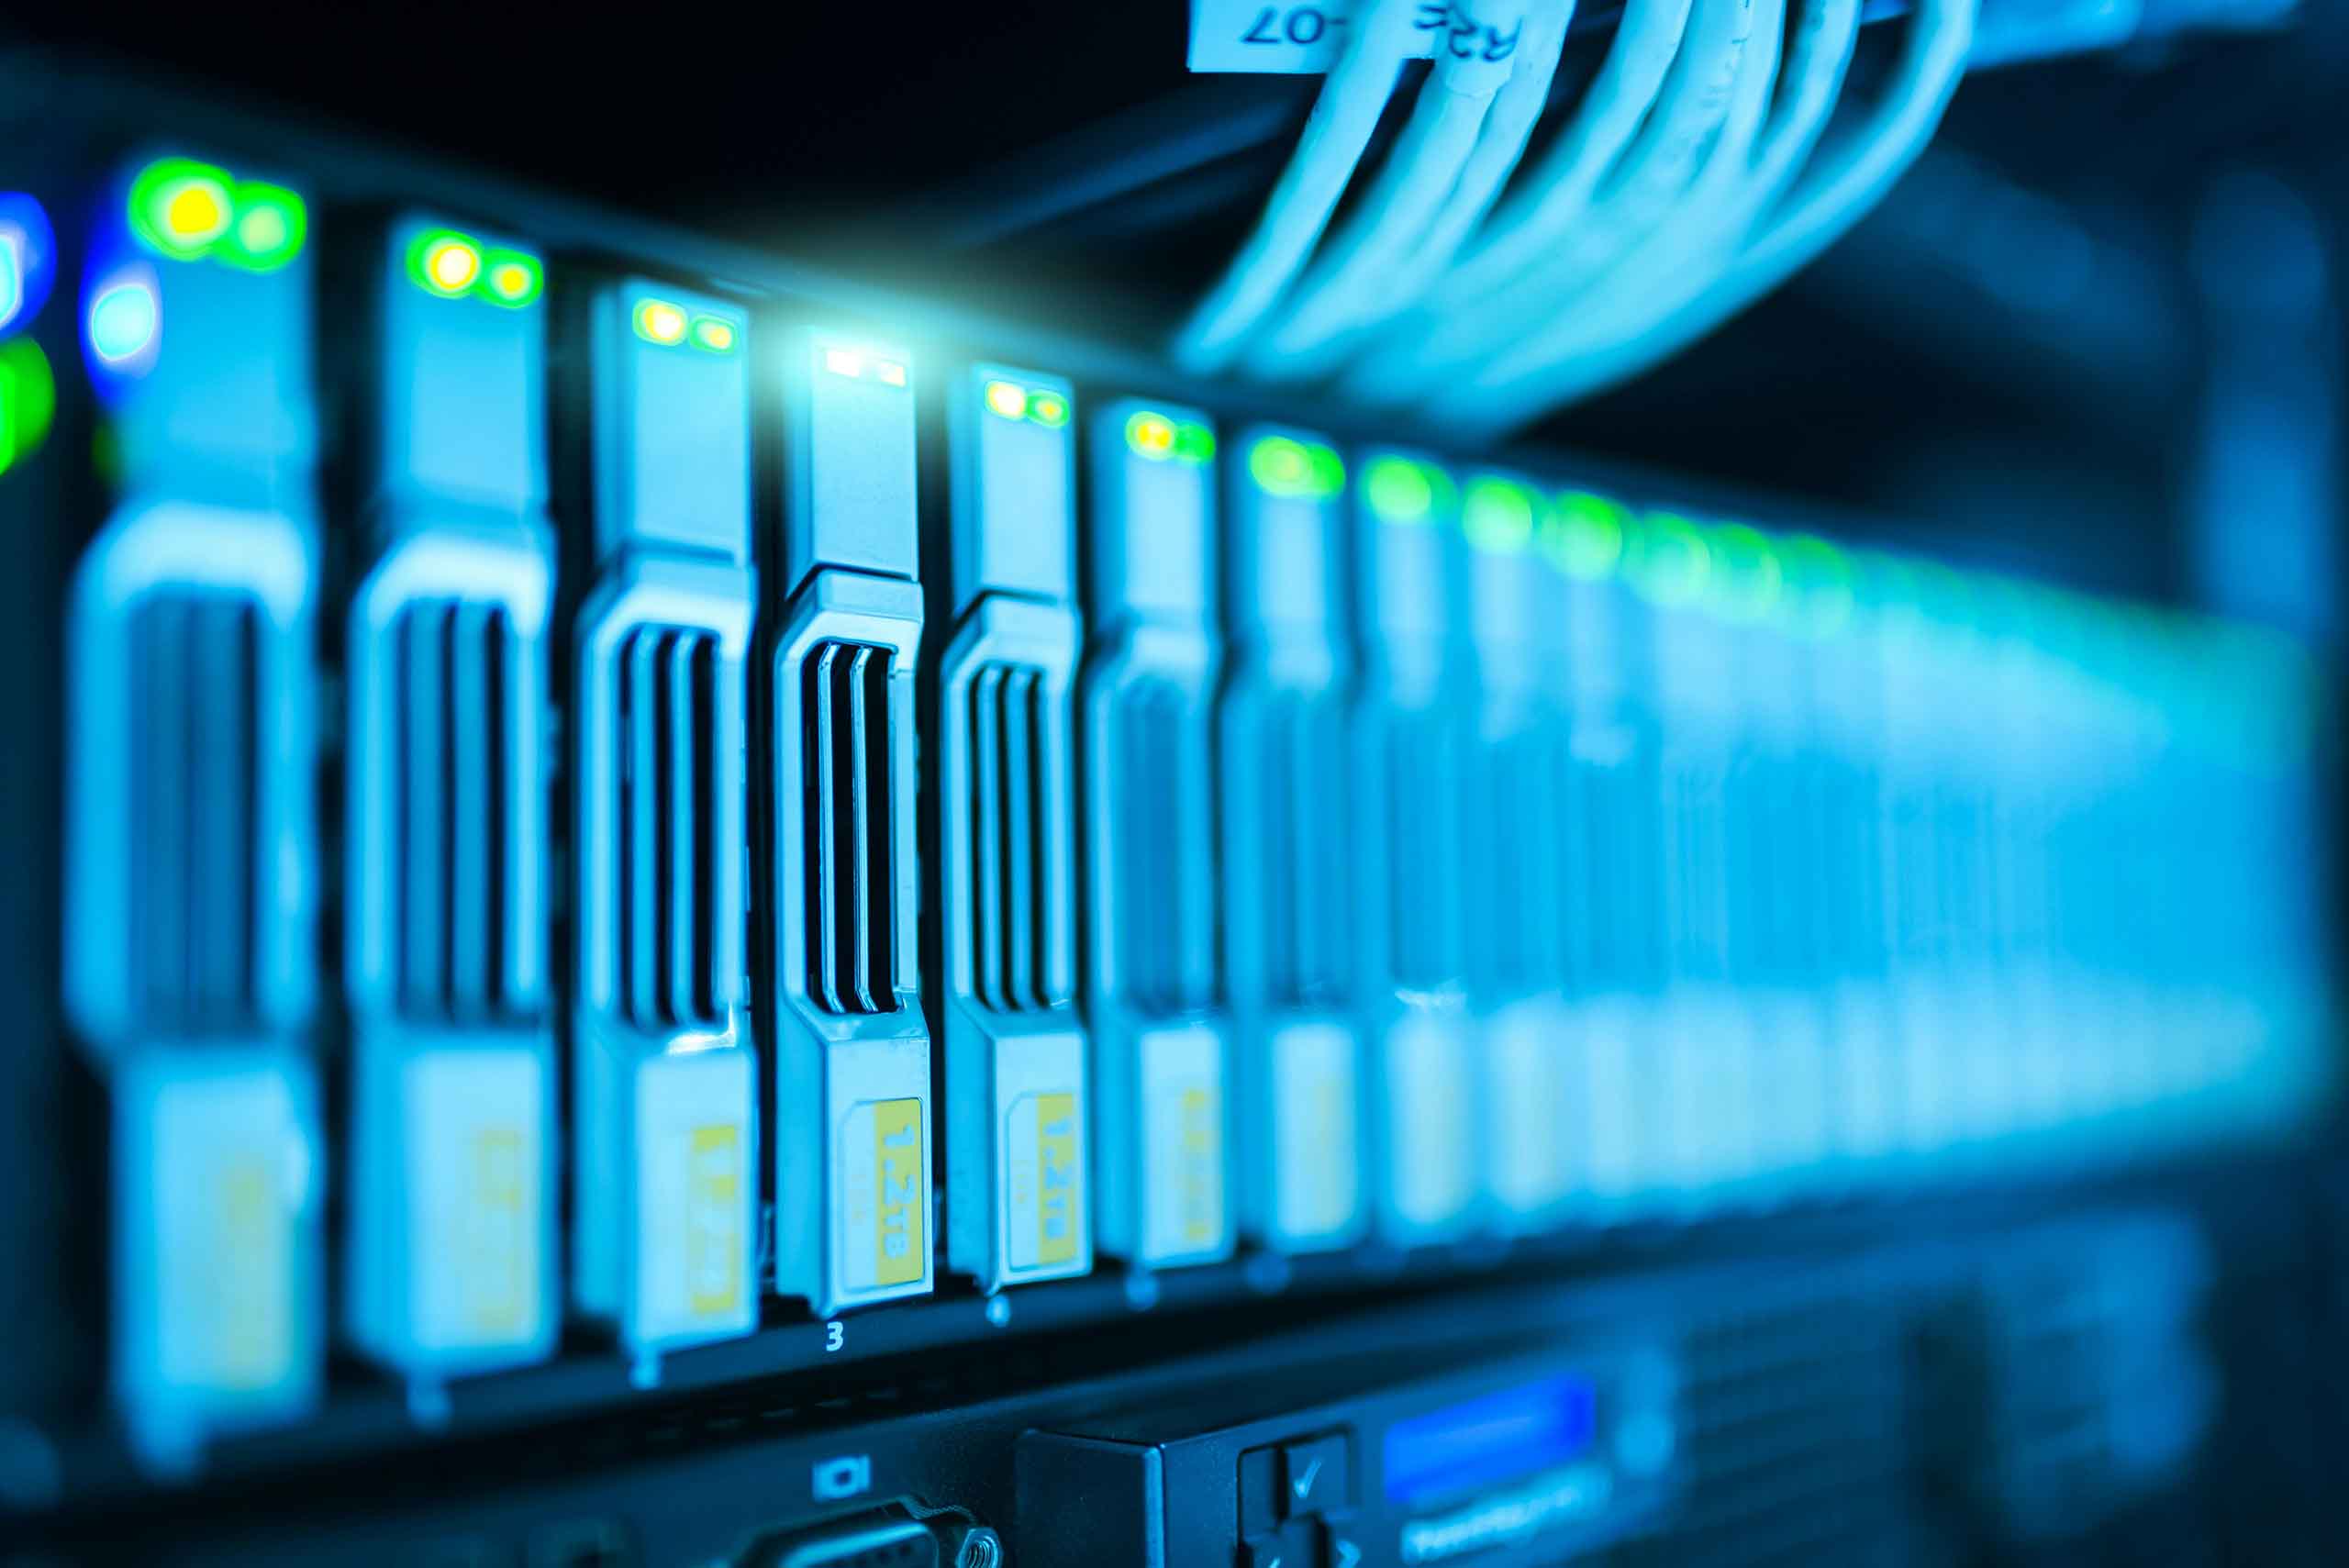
{"points": [[1810, 587], [1037, 405], [187, 211], [453, 265], [667, 324]]}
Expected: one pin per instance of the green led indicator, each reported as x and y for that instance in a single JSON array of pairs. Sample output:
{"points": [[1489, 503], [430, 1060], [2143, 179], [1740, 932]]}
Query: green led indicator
{"points": [[1746, 575], [271, 226], [1329, 469], [1194, 442], [713, 335], [27, 400], [1294, 470], [1398, 489], [512, 279], [1584, 534], [1281, 466], [180, 208], [1497, 515], [1818, 578], [1050, 409], [1668, 558]]}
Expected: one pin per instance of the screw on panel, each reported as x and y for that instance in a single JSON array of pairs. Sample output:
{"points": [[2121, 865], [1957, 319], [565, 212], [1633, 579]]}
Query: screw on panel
{"points": [[981, 1548]]}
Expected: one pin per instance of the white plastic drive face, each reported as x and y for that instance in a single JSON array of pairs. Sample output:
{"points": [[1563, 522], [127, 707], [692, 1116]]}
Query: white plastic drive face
{"points": [[1793, 1087], [1317, 1136], [1184, 1192], [1868, 1073], [1610, 1040], [1434, 1122], [1708, 1110], [1528, 1144], [678, 1197], [217, 1277], [452, 1212]]}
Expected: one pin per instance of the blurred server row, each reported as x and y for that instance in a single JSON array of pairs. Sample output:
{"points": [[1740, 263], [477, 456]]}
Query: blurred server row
{"points": [[580, 794]]}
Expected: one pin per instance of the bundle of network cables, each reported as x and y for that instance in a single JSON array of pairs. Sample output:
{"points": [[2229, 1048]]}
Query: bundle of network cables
{"points": [[1702, 165]]}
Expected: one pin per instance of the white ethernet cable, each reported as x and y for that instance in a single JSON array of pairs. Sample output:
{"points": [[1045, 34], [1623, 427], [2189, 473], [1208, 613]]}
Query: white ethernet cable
{"points": [[1475, 111], [1343, 120], [1820, 209], [1609, 114], [1525, 226], [1462, 326], [1701, 132], [1700, 242]]}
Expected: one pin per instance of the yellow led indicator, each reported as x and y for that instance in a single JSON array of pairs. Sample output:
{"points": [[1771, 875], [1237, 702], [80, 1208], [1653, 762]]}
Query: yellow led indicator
{"points": [[1057, 1195], [195, 214], [1007, 399], [900, 1233], [713, 1223], [844, 362], [1150, 435], [658, 321], [712, 334], [513, 280], [889, 371], [453, 266], [497, 1288]]}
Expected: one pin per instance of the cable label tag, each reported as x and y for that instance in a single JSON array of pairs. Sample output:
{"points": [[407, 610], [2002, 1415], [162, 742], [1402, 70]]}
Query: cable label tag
{"points": [[1256, 39]]}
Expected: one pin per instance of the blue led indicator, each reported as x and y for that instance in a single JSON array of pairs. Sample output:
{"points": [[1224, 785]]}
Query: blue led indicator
{"points": [[27, 245], [126, 321], [1489, 1440]]}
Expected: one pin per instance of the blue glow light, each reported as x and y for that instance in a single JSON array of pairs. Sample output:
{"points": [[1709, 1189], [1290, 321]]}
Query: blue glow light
{"points": [[1490, 1439], [124, 322], [28, 246]]}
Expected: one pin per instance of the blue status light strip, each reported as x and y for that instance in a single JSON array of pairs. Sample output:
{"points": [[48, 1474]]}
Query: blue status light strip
{"points": [[1491, 1440]]}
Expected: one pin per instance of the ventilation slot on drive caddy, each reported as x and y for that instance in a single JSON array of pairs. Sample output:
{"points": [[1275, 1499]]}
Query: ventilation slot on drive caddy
{"points": [[1301, 757], [1153, 919], [196, 756], [454, 804], [1011, 910], [666, 851], [852, 837], [1423, 807]]}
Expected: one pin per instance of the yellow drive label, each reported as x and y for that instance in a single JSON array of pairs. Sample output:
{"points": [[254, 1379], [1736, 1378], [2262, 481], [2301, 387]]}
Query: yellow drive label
{"points": [[1056, 1166], [900, 1232], [497, 1293], [251, 1266], [1202, 1167], [713, 1220]]}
